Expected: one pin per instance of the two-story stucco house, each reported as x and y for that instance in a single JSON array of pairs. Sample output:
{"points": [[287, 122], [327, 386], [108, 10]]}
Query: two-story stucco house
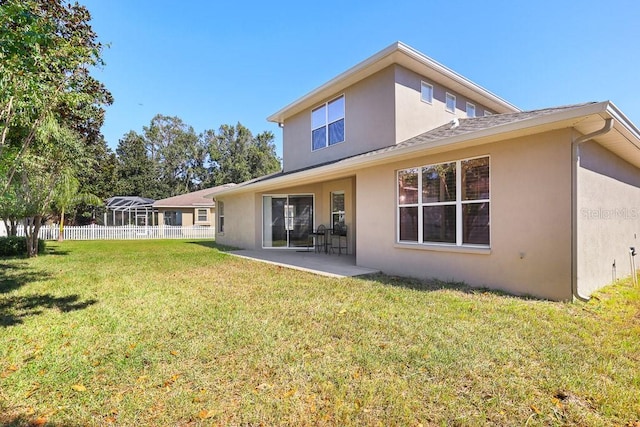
{"points": [[434, 176]]}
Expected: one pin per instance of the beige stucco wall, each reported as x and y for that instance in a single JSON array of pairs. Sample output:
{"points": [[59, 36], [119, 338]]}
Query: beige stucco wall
{"points": [[530, 221], [239, 221], [369, 124], [608, 217], [380, 110], [414, 116]]}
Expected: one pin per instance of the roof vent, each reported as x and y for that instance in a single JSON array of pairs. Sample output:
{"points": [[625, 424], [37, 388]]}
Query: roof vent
{"points": [[454, 123]]}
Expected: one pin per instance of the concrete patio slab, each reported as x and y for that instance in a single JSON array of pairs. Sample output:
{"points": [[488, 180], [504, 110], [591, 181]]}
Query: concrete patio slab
{"points": [[312, 262]]}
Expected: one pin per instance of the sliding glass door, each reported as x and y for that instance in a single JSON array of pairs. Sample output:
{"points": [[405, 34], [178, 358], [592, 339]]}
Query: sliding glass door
{"points": [[287, 221]]}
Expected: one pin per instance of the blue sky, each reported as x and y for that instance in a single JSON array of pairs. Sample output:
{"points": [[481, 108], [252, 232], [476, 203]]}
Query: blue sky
{"points": [[222, 62]]}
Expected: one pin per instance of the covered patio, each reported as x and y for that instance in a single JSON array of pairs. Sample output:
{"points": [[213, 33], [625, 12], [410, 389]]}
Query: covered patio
{"points": [[317, 263]]}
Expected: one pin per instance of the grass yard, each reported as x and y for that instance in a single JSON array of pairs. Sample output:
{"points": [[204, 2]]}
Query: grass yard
{"points": [[177, 333]]}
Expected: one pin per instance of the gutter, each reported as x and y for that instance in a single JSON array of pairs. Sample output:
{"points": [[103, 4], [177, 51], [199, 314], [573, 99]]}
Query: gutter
{"points": [[575, 163]]}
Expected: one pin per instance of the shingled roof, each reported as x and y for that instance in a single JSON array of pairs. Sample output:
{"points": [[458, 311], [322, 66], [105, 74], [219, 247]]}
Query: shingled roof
{"points": [[475, 124], [194, 199], [460, 129], [449, 130]]}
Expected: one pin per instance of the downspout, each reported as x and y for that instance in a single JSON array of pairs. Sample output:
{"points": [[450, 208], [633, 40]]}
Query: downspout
{"points": [[575, 164]]}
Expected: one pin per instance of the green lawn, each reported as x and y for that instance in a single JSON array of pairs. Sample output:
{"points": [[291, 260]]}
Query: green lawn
{"points": [[159, 333]]}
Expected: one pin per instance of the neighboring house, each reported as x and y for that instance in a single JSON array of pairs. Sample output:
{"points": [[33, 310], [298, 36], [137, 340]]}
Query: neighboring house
{"points": [[435, 177], [189, 209]]}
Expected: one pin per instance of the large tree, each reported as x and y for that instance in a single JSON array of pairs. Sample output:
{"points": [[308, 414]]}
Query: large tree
{"points": [[58, 153], [177, 153], [169, 158], [237, 156], [46, 50], [98, 178], [135, 169]]}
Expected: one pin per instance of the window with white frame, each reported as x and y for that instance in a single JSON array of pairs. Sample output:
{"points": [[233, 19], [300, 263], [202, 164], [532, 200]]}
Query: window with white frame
{"points": [[426, 92], [203, 215], [220, 210], [337, 209], [446, 203], [327, 124], [471, 110], [450, 102]]}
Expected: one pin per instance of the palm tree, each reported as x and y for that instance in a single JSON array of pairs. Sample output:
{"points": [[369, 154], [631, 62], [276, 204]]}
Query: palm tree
{"points": [[67, 196]]}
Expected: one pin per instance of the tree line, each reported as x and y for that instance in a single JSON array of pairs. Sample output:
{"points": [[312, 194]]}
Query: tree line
{"points": [[53, 156], [168, 158]]}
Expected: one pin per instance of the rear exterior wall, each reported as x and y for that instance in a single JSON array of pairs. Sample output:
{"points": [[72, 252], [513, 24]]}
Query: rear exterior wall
{"points": [[530, 249]]}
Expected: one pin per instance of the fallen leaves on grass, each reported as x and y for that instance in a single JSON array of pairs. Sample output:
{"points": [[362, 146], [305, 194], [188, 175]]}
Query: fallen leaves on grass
{"points": [[168, 383], [8, 371], [79, 387], [40, 421], [206, 414], [32, 391], [289, 393]]}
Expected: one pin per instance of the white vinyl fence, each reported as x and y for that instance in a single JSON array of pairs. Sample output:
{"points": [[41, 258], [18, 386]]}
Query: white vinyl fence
{"points": [[98, 232]]}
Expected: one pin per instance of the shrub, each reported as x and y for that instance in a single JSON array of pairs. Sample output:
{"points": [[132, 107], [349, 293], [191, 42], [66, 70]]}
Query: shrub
{"points": [[12, 246]]}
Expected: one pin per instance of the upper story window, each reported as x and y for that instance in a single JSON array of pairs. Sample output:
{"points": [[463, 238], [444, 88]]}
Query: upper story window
{"points": [[426, 92], [327, 124], [450, 103], [471, 110]]}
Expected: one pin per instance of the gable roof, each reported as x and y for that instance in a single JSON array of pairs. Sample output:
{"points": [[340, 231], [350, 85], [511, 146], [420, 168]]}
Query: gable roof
{"points": [[200, 198], [623, 140], [401, 54]]}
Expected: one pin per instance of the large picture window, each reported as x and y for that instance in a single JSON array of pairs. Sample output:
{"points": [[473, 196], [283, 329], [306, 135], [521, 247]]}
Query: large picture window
{"points": [[327, 124], [446, 203]]}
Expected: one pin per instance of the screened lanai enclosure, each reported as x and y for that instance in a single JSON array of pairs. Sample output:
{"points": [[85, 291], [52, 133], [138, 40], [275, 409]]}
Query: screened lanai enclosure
{"points": [[130, 210]]}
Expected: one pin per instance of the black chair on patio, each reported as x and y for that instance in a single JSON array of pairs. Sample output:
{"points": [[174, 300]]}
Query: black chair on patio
{"points": [[338, 238], [320, 238]]}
